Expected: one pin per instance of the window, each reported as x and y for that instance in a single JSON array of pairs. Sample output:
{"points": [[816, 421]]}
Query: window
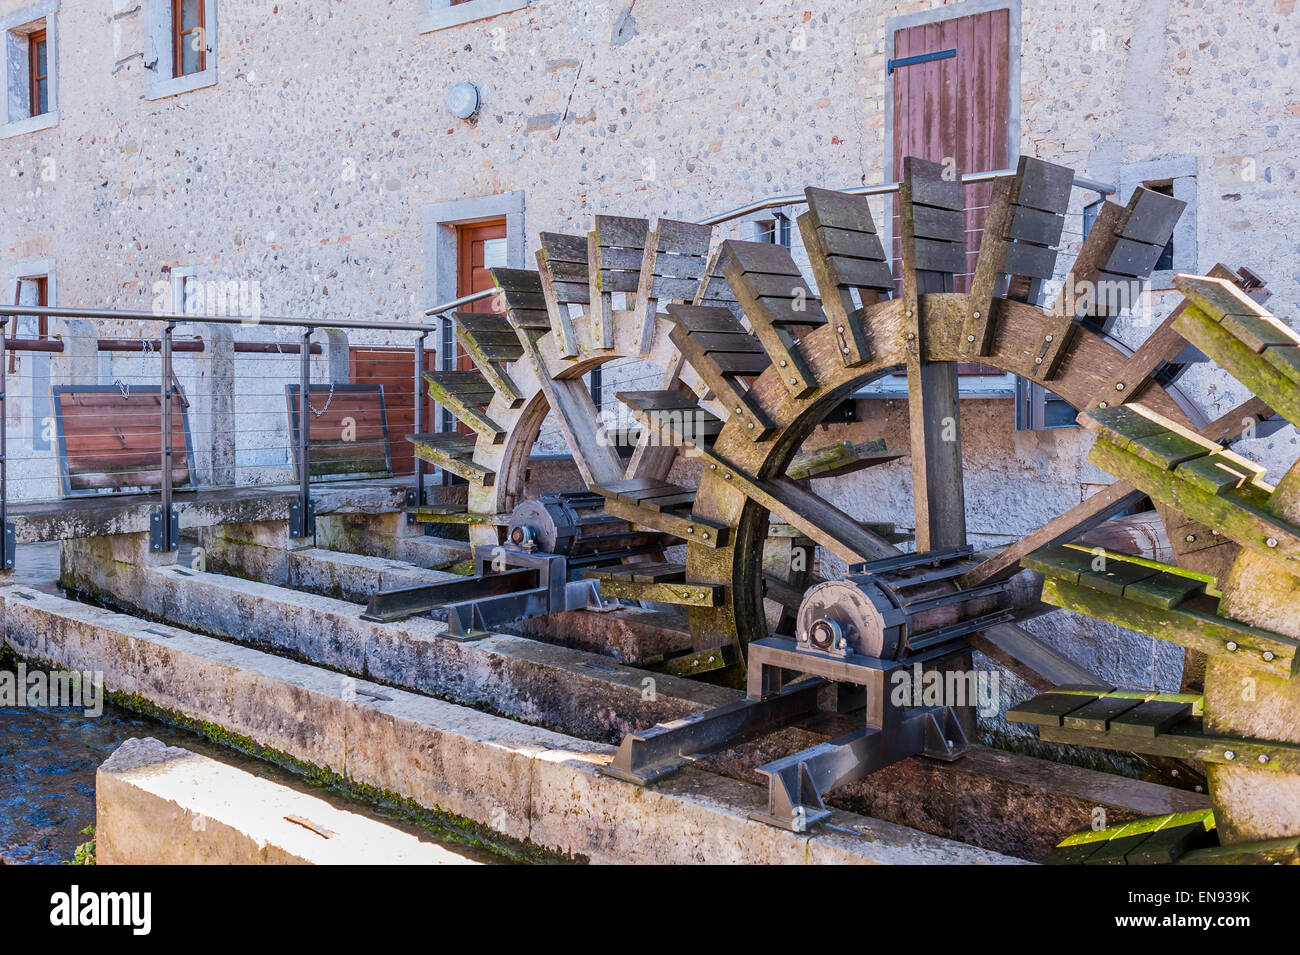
{"points": [[31, 290], [441, 14], [1172, 177], [180, 47], [33, 286], [775, 230], [39, 67], [30, 77], [1037, 409], [189, 44]]}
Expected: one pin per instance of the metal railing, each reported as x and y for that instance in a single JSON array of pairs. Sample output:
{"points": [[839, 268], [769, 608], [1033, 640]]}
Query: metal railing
{"points": [[164, 527]]}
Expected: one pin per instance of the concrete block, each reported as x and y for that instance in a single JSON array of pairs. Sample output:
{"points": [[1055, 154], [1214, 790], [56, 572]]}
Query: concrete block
{"points": [[163, 805]]}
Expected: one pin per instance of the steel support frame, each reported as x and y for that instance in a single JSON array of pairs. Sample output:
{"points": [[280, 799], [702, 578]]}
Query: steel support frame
{"points": [[797, 782], [647, 755], [509, 584]]}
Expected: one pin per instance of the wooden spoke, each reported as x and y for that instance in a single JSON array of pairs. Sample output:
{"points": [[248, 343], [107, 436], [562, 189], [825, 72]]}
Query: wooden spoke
{"points": [[933, 249]]}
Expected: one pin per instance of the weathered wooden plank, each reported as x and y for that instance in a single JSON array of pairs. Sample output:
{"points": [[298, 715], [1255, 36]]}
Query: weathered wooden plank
{"points": [[1184, 624], [934, 417], [1105, 503], [727, 342], [1153, 217], [1044, 185], [452, 452], [1131, 258], [1096, 716], [740, 363], [935, 256], [759, 257], [622, 231], [565, 248], [1238, 515], [945, 224], [768, 316], [863, 273], [1270, 379], [1038, 226], [1050, 709], [717, 374], [687, 527], [706, 318], [1283, 851], [1150, 718], [838, 458], [1032, 261], [836, 295], [464, 394], [684, 594], [838, 210]]}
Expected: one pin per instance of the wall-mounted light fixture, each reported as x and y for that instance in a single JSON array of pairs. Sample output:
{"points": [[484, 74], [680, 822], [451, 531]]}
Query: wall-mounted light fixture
{"points": [[463, 100]]}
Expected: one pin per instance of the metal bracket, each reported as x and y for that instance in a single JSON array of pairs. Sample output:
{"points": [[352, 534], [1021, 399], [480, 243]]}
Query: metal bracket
{"points": [[412, 502], [10, 546], [891, 65], [646, 755], [300, 524], [164, 530]]}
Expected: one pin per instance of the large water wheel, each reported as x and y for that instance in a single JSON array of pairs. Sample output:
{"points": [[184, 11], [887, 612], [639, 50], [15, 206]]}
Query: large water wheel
{"points": [[752, 360]]}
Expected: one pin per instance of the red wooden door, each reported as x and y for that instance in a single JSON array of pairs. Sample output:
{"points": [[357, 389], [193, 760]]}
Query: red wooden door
{"points": [[479, 247], [956, 108], [394, 368]]}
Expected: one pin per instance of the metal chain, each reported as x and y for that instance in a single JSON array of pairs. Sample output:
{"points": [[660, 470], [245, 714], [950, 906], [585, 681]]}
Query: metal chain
{"points": [[327, 401]]}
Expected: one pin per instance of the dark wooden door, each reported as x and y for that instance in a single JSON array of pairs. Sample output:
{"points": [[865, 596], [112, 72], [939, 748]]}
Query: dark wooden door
{"points": [[394, 368], [955, 108]]}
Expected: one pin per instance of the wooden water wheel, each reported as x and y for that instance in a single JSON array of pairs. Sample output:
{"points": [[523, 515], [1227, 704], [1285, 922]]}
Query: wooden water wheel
{"points": [[752, 360]]}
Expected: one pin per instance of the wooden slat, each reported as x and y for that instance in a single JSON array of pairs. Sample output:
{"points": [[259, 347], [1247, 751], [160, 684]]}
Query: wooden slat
{"points": [[770, 316], [933, 413]]}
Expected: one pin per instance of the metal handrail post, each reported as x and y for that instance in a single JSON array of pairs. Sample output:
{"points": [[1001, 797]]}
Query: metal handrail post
{"points": [[5, 527], [164, 533], [302, 522], [419, 423]]}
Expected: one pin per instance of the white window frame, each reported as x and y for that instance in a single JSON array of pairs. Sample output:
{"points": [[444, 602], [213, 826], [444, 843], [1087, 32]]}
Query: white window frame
{"points": [[29, 392], [180, 276], [158, 52], [441, 14], [1181, 172], [16, 27]]}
